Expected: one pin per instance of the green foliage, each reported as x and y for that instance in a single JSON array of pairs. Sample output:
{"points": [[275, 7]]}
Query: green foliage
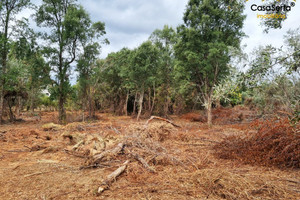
{"points": [[143, 65], [275, 23]]}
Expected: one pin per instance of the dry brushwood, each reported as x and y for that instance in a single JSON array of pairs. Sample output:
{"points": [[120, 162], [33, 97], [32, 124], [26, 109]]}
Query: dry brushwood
{"points": [[163, 119], [276, 143], [112, 177], [112, 152], [142, 161]]}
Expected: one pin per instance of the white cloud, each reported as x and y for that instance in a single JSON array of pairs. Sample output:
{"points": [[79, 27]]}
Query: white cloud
{"points": [[130, 22]]}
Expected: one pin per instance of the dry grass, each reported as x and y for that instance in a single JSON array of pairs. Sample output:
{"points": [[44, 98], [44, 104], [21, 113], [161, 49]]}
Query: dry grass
{"points": [[183, 162]]}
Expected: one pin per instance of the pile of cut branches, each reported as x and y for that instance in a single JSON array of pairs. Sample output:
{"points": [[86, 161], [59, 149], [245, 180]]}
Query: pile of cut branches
{"points": [[276, 143], [140, 144]]}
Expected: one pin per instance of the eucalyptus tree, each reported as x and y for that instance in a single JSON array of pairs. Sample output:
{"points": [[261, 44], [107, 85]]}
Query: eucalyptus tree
{"points": [[8, 11], [210, 27], [143, 69], [87, 61], [26, 50], [68, 23], [164, 40]]}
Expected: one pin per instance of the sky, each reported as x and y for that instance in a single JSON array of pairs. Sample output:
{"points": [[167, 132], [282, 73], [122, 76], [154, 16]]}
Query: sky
{"points": [[130, 22]]}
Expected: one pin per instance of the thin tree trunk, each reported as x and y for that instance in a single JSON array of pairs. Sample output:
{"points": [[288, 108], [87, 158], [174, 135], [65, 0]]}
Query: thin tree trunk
{"points": [[153, 100], [11, 114], [209, 114], [18, 105], [4, 63], [134, 104], [1, 104], [90, 103], [140, 103], [149, 99], [126, 103], [93, 106], [32, 102], [61, 110]]}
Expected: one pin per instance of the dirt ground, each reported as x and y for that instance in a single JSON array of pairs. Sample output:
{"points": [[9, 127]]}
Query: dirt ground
{"points": [[38, 162]]}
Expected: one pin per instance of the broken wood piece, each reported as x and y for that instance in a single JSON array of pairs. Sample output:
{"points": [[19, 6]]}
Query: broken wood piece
{"points": [[34, 174], [112, 177], [163, 119], [115, 151]]}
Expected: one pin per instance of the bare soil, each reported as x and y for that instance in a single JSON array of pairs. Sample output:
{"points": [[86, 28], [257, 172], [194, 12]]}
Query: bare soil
{"points": [[37, 162]]}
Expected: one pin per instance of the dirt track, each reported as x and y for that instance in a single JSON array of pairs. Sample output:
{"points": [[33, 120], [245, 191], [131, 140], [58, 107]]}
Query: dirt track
{"points": [[34, 164]]}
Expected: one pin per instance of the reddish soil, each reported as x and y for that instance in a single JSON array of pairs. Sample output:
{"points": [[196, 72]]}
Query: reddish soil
{"points": [[34, 163]]}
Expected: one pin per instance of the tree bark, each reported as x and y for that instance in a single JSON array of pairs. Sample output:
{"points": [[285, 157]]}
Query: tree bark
{"points": [[209, 114], [18, 106], [1, 104], [126, 103], [153, 100], [149, 99], [140, 103], [61, 110], [134, 104], [90, 103], [4, 62]]}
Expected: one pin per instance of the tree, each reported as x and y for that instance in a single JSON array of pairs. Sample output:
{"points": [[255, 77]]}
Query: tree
{"points": [[164, 40], [276, 22], [8, 11], [143, 67], [209, 28], [87, 61], [26, 50], [68, 23]]}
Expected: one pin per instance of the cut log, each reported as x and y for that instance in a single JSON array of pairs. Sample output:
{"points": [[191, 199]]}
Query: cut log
{"points": [[98, 157], [112, 177], [163, 119]]}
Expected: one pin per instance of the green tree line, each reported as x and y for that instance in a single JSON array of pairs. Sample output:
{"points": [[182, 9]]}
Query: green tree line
{"points": [[191, 67]]}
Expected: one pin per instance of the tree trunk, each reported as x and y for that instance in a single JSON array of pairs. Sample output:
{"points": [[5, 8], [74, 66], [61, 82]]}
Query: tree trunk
{"points": [[18, 106], [134, 104], [140, 103], [61, 110], [11, 114], [90, 102], [218, 103], [4, 62], [126, 103], [1, 104], [153, 100], [149, 99], [32, 102], [209, 114], [166, 106]]}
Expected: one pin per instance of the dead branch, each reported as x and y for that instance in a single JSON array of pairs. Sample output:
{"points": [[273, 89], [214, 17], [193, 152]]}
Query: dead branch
{"points": [[73, 153], [112, 177], [35, 174], [143, 162], [163, 119], [98, 157]]}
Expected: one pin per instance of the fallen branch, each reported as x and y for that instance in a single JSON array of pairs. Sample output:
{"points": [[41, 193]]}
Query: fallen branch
{"points": [[74, 154], [112, 177], [163, 119], [34, 174], [98, 157], [143, 162]]}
